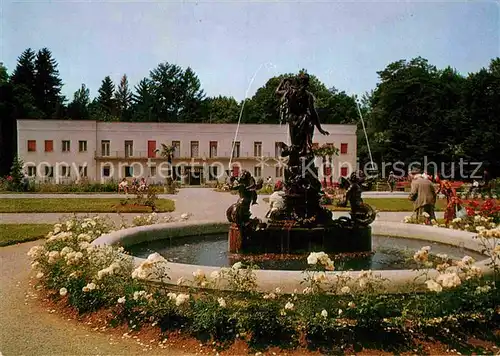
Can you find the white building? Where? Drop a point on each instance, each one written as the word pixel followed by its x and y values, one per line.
pixel 66 151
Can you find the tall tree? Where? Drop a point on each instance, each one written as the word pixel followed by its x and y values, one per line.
pixel 78 109
pixel 23 83
pixel 143 102
pixel 177 93
pixel 47 86
pixel 481 129
pixel 105 97
pixel 7 122
pixel 221 109
pixel 123 97
pixel 24 74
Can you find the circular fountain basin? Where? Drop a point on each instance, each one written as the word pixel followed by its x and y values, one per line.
pixel 207 250
pixel 389 253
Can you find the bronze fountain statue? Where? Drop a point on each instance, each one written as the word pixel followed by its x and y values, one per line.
pixel 302 221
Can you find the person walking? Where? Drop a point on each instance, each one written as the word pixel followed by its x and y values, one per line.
pixel 423 196
pixel 391 181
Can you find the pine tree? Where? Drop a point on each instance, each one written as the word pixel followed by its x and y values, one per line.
pixel 16 174
pixel 105 98
pixel 24 74
pixel 47 86
pixel 8 133
pixel 123 97
pixel 78 109
pixel 143 108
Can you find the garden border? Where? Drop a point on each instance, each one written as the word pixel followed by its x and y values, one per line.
pixel 395 281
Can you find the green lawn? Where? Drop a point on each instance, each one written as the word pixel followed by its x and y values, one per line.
pixel 79 205
pixel 387 204
pixel 11 234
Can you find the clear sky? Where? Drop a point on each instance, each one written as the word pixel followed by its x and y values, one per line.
pixel 343 43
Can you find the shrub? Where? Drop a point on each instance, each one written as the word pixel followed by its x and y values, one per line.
pixel 268 325
pixel 212 320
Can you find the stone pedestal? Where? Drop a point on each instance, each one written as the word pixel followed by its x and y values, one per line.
pixel 286 238
pixel 234 238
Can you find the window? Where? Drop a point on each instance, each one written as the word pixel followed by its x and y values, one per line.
pixel 105 148
pixel 213 173
pixel 65 171
pixel 343 148
pixel 279 172
pixel 106 171
pixel 82 146
pixel 213 149
pixel 277 149
pixel 194 148
pixel 129 172
pixel 49 171
pixel 152 171
pixel 32 171
pixel 257 149
pixel 31 145
pixel 49 146
pixel 236 149
pixel 82 170
pixel 129 148
pixel 177 149
pixel 257 171
pixel 66 146
pixel 343 172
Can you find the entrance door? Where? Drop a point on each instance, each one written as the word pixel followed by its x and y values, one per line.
pixel 151 149
pixel 194 175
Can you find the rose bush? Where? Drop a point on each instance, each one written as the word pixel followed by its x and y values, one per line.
pixel 334 310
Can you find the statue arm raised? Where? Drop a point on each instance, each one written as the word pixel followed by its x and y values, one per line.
pixel 283 86
pixel 314 116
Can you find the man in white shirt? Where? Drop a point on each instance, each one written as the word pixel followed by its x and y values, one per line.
pixel 276 200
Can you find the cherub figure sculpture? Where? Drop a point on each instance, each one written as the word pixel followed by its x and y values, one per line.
pixel 239 212
pixel 361 213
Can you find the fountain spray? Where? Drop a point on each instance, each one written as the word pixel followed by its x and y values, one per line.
pixel 268 65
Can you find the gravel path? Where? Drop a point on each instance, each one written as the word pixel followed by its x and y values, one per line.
pixel 28 329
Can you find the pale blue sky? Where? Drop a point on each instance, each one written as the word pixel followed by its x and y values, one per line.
pixel 343 43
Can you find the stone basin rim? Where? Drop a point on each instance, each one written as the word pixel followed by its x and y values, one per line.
pixel 289 281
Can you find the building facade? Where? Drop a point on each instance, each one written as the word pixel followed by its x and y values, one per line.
pixel 63 151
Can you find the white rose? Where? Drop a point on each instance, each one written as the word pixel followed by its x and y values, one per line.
pixel 433 286
pixel 237 265
pixel 289 306
pixel 324 313
pixel 221 302
pixel 345 290
pixel 312 259
pixel 63 291
pixel 121 300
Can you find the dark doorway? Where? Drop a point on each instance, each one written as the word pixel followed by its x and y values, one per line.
pixel 194 175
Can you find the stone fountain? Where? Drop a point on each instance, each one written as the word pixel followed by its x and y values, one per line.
pixel 302 224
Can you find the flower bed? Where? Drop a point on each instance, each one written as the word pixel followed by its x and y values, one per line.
pixel 347 316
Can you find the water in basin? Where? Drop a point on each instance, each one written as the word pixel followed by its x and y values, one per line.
pixel 389 253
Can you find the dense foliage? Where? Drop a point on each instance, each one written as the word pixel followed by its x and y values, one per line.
pixel 416 109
